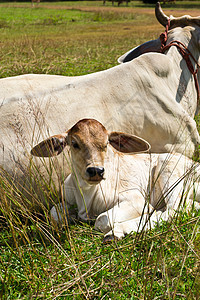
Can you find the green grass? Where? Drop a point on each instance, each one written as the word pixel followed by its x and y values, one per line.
pixel 30 17
pixel 38 261
pixel 67 42
pixel 158 264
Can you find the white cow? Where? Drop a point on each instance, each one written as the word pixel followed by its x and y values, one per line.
pixel 125 192
pixel 152 96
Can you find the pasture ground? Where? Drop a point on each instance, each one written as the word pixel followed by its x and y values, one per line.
pixel 39 262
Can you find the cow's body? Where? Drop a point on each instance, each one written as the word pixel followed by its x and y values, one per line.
pixel 145 198
pixel 153 96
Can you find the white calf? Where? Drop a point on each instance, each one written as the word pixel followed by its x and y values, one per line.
pixel 124 190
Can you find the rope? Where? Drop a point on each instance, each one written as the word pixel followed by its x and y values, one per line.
pixel 163 36
pixel 186 54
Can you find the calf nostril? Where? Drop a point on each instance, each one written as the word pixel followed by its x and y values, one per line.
pixel 100 171
pixel 93 171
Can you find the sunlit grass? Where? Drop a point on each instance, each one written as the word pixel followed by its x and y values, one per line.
pixel 68 42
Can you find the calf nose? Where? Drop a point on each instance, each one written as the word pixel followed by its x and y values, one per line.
pixel 93 171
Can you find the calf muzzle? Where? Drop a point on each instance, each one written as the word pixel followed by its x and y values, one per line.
pixel 95 173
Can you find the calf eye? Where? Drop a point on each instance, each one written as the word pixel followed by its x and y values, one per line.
pixel 101 147
pixel 75 145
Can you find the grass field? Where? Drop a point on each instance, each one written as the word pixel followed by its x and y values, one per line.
pixel 68 42
pixel 39 262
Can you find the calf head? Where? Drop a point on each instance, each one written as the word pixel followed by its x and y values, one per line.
pixel 88 140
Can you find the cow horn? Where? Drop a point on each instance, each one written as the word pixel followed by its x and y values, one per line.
pixel 161 17
pixel 184 20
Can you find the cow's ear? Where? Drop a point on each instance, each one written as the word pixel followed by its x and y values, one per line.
pixel 51 146
pixel 150 46
pixel 127 143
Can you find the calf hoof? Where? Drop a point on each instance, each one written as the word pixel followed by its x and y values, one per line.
pixel 109 239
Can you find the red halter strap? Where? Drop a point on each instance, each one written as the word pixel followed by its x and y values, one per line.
pixel 163 36
pixel 186 54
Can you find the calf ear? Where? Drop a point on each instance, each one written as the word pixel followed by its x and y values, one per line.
pixel 51 146
pixel 127 143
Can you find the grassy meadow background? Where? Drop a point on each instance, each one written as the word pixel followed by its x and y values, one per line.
pixel 38 261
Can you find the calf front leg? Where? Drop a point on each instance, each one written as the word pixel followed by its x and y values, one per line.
pixel 64 210
pixel 127 216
